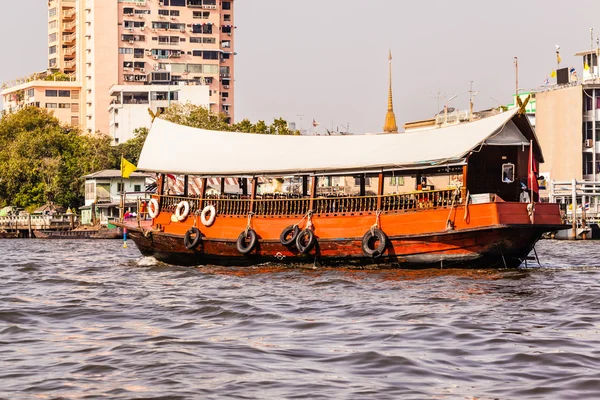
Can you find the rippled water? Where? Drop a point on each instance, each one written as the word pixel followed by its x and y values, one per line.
pixel 88 319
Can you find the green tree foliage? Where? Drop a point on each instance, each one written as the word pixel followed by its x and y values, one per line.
pixel 42 160
pixel 199 117
pixel 132 148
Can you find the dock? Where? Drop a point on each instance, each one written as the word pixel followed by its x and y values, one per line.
pixel 24 224
pixel 580 207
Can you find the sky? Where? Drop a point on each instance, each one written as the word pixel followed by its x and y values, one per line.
pixel 327 59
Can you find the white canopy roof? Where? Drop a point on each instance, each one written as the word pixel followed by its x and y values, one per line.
pixel 177 149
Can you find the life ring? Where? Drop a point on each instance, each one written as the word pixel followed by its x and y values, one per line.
pixel 244 246
pixel 186 210
pixel 307 236
pixel 153 208
pixel 368 242
pixel 294 231
pixel 211 219
pixel 190 243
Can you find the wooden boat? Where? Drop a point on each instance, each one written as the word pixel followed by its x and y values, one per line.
pixel 9 235
pixel 79 234
pixel 461 209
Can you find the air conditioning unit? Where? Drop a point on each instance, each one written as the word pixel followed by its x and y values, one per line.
pixel 140 16
pixel 225 86
pixel 131 41
pixel 588 143
pixel 161 16
pixel 155 57
pixel 172 18
pixel 142 69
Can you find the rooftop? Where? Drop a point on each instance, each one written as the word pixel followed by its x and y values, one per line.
pixel 115 173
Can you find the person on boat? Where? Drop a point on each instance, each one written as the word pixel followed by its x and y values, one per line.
pixel 524 196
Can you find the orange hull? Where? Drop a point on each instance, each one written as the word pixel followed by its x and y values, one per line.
pixel 493 234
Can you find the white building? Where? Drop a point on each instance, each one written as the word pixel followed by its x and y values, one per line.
pixel 129 108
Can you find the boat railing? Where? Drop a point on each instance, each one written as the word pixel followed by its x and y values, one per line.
pixel 271 205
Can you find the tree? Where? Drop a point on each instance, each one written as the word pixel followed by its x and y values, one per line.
pixel 199 117
pixel 42 160
pixel 132 148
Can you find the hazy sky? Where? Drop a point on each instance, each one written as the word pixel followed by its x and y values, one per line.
pixel 327 59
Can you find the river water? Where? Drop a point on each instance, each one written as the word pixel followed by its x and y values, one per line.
pixel 89 319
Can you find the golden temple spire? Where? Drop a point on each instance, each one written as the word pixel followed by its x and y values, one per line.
pixel 390 118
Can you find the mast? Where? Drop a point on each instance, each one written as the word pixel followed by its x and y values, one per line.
pixel 390 118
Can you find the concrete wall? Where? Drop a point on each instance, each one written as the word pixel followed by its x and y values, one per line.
pixel 559 129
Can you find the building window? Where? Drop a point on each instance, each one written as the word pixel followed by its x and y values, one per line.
pixel 125 50
pixel 52 12
pixel 142 11
pixel 75 94
pixel 30 92
pixel 64 93
pixel 52 50
pixel 397 181
pixel 75 120
pixel 52 63
pixel 50 105
pixel 75 107
pixel 588 164
pixel 52 25
pixel 227 17
pixel 137 188
pixel 226 5
pixel 64 105
pixel 120 187
pixel 52 37
pixel 51 93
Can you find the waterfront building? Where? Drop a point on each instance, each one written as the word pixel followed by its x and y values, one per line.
pixel 99 44
pixel 129 108
pixel 568 125
pixel 103 193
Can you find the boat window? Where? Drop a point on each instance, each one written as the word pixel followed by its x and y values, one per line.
pixel 508 173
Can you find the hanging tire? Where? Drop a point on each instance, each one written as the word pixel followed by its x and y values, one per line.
pixel 369 240
pixel 305 241
pixel 246 242
pixel 210 209
pixel 180 214
pixel 189 242
pixel 153 208
pixel 294 231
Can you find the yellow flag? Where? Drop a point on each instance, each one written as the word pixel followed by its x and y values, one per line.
pixel 553 74
pixel 126 168
pixel 558 58
pixel 586 66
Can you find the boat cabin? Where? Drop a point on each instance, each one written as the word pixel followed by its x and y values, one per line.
pixel 487 160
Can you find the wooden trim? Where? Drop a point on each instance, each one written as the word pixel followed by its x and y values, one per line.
pixel 313 193
pixel 186 181
pixel 161 185
pixel 380 186
pixel 203 192
pixel 253 194
pixel 304 185
pixel 363 182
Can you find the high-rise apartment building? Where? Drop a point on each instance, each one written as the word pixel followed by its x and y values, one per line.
pixel 164 44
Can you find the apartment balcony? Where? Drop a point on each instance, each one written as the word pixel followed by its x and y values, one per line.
pixel 69 13
pixel 69 38
pixel 69 26
pixel 70 64
pixel 70 51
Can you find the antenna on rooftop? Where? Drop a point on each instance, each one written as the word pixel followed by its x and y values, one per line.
pixel 472 95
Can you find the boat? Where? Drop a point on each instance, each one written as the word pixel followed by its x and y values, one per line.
pixel 8 235
pixel 459 208
pixel 79 234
